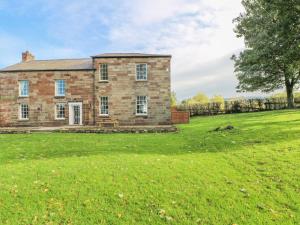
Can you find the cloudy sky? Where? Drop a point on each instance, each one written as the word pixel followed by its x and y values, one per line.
pixel 198 33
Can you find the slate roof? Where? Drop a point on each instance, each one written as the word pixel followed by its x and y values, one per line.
pixel 70 64
pixel 128 55
pixel 51 65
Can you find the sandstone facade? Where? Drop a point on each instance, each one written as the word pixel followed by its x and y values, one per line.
pixel 83 85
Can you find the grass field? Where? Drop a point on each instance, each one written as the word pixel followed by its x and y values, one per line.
pixel 250 175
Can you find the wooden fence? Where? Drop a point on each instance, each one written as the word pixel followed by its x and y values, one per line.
pixel 180 117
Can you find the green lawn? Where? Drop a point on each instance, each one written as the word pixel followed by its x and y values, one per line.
pixel 250 175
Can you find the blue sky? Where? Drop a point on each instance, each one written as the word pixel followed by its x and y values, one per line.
pixel 198 33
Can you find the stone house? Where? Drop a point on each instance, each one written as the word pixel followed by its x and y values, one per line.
pixel 124 89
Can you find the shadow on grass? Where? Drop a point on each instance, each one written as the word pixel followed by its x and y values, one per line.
pixel 15 148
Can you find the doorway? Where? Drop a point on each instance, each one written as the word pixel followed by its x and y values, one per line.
pixel 75 113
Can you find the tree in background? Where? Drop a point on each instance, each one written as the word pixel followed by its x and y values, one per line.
pixel 283 95
pixel 219 100
pixel 184 102
pixel 271 60
pixel 199 98
pixel 189 101
pixel 278 95
pixel 173 99
pixel 202 99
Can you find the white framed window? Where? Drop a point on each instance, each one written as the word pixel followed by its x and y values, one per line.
pixel 141 105
pixel 104 106
pixel 141 71
pixel 23 88
pixel 60 88
pixel 60 110
pixel 103 72
pixel 24 112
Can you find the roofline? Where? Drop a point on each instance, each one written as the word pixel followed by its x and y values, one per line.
pixel 61 59
pixel 135 56
pixel 47 70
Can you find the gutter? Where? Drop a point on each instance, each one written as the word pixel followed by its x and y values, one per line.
pixel 54 70
pixel 161 56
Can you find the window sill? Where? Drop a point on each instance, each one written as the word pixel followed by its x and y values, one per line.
pixel 59 119
pixel 24 96
pixel 104 115
pixel 60 96
pixel 141 80
pixel 103 81
pixel 141 115
pixel 22 120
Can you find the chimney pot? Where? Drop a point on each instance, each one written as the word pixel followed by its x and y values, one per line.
pixel 27 56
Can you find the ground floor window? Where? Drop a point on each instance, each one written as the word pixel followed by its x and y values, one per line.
pixel 24 112
pixel 60 111
pixel 104 105
pixel 141 105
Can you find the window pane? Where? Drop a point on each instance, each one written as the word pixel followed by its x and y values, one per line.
pixel 24 88
pixel 103 72
pixel 60 111
pixel 141 71
pixel 141 105
pixel 60 87
pixel 104 105
pixel 24 114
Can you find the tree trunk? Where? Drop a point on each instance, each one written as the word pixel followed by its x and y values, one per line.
pixel 290 96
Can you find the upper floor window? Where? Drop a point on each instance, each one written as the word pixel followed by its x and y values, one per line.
pixel 24 112
pixel 60 111
pixel 141 72
pixel 23 88
pixel 141 105
pixel 104 105
pixel 59 88
pixel 103 72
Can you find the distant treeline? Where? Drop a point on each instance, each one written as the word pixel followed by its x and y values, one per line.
pixel 235 106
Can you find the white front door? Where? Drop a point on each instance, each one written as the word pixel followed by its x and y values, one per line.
pixel 75 113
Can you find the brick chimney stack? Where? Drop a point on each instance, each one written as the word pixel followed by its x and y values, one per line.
pixel 27 56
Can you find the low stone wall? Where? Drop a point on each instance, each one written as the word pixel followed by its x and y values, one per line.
pixel 91 129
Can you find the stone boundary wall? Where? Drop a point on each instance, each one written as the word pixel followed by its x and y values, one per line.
pixel 123 129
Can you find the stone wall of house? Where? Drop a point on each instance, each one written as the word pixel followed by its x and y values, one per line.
pixel 122 89
pixel 42 100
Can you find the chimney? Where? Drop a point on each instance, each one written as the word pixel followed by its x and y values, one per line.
pixel 27 56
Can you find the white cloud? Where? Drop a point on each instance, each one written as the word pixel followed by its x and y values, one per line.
pixel 215 77
pixel 198 33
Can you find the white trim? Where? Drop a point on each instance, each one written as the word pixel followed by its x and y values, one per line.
pixel 23 119
pixel 136 72
pixel 55 111
pixel 60 118
pixel 71 112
